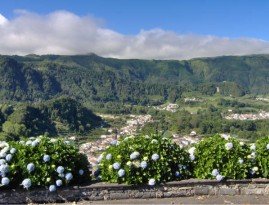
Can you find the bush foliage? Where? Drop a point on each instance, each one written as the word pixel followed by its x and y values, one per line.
pixel 42 161
pixel 145 159
pixel 262 159
pixel 225 158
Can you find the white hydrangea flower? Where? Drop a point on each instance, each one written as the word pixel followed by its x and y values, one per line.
pixel 121 172
pixel 3 144
pixel 155 157
pixel 215 172
pixel 29 142
pixel 255 169
pixel 129 163
pixel 27 183
pixel 228 145
pixel 253 146
pixel 146 136
pixel 253 154
pixel 267 146
pixel 191 150
pixel 242 143
pixel 116 165
pixel 99 159
pixel 136 163
pixel 154 141
pixel 152 182
pixel 241 161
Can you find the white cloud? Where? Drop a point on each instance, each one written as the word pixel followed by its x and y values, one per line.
pixel 62 32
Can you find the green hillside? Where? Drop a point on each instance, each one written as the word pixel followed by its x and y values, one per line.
pixel 90 78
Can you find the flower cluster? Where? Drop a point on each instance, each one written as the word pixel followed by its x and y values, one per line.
pixel 41 162
pixel 217 157
pixel 144 159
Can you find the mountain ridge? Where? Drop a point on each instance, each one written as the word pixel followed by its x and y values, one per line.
pixel 97 79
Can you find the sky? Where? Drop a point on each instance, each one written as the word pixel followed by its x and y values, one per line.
pixel 147 29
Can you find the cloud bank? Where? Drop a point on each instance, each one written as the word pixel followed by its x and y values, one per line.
pixel 62 32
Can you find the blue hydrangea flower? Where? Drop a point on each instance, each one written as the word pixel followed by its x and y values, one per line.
pixel 9 157
pixel 26 183
pixel 2 161
pixel 5 181
pixel 134 155
pixel 116 165
pixel 114 142
pixel 46 158
pixel 69 176
pixel 81 172
pixel 35 143
pixel 30 167
pixel 13 151
pixel 152 182
pixel 4 168
pixel 121 172
pixel 108 156
pixel 192 157
pixel 177 174
pixel 215 172
pixel 155 157
pixel 60 169
pixel 143 164
pixel 219 177
pixel 228 145
pixel 52 188
pixel 59 182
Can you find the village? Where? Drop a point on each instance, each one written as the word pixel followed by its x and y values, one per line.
pixel 262 115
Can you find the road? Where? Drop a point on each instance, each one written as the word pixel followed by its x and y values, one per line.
pixel 240 199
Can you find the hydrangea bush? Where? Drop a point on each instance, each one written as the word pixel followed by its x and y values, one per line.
pixel 144 160
pixel 41 162
pixel 262 156
pixel 219 158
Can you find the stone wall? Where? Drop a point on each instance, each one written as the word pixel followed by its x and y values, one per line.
pixel 104 191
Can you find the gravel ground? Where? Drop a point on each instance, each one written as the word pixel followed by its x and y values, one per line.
pixel 240 199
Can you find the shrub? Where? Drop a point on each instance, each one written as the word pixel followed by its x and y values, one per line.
pixel 219 158
pixel 262 156
pixel 144 159
pixel 42 162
